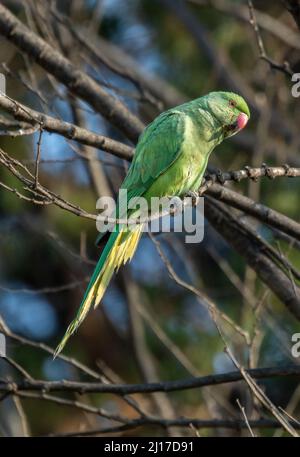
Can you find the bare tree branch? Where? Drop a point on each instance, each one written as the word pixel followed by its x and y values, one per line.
pixel 75 80
pixel 124 389
pixel 254 251
pixel 70 131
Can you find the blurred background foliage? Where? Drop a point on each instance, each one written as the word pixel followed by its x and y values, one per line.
pixel 45 247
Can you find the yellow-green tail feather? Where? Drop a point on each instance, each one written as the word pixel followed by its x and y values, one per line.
pixel 119 249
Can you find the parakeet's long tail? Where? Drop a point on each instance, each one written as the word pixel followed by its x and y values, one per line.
pixel 119 249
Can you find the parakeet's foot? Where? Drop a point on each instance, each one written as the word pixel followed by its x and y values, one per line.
pixel 194 196
pixel 177 205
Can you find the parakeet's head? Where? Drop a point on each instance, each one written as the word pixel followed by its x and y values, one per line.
pixel 230 110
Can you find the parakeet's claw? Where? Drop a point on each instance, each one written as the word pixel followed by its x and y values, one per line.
pixel 177 205
pixel 194 196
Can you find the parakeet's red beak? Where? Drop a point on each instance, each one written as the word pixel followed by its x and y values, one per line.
pixel 242 120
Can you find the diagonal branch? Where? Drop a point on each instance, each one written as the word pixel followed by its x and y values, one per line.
pixel 255 253
pixel 261 212
pixel 70 131
pixel 78 82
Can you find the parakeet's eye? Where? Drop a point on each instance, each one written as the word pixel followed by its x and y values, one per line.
pixel 232 103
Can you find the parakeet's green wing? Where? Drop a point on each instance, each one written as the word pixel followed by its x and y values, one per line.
pixel 157 149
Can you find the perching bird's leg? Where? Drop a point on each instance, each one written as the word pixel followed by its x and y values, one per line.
pixel 177 205
pixel 194 196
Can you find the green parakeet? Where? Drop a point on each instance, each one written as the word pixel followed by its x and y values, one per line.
pixel 170 160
